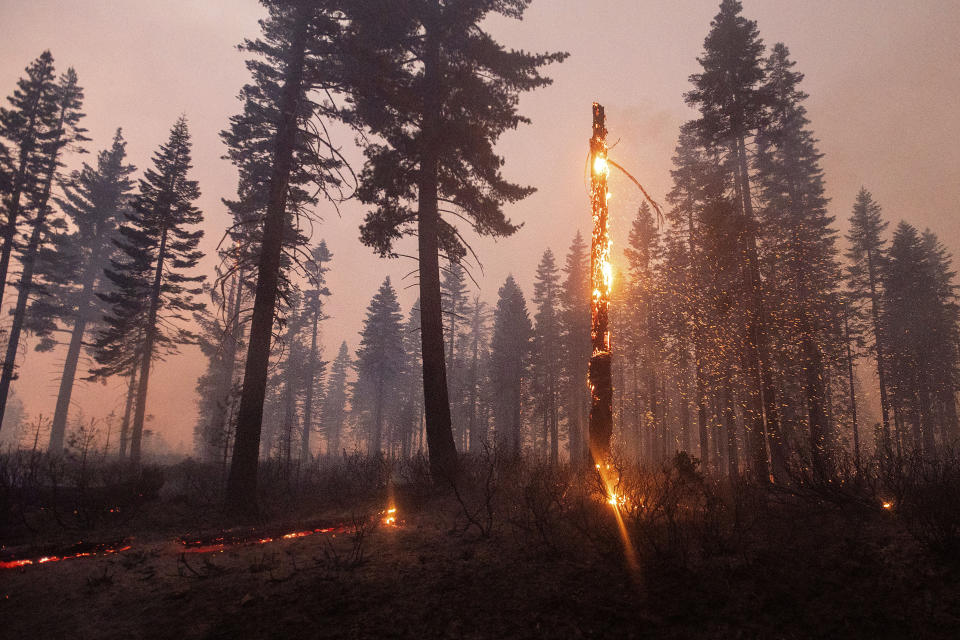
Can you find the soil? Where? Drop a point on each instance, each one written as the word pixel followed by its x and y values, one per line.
pixel 427 578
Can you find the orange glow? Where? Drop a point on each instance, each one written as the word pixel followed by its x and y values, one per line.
pixel 23 562
pixel 887 505
pixel 600 166
pixel 390 519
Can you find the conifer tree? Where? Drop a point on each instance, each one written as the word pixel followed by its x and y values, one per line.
pixel 335 400
pixel 313 309
pixel 509 365
pixel 920 321
pixel 31 117
pixel 276 145
pixel 220 338
pixel 547 355
pixel 799 244
pixel 575 313
pixel 379 364
pixel 455 304
pixel 729 95
pixel 70 270
pixel 410 424
pixel 643 252
pixel 867 258
pixel 437 93
pixel 64 134
pixel 477 379
pixel 152 287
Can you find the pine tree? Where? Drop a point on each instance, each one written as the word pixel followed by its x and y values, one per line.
pixel 576 321
pixel 643 252
pixel 313 308
pixel 799 243
pixel 153 290
pixel 335 400
pixel 410 423
pixel 32 115
pixel 731 101
pixel 455 304
pixel 438 92
pixel 379 364
pixel 64 134
pixel 70 270
pixel 220 338
pixel 477 378
pixel 699 185
pixel 867 257
pixel 920 321
pixel 279 152
pixel 547 355
pixel 509 364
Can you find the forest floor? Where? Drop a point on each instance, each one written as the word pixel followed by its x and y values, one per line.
pixel 794 569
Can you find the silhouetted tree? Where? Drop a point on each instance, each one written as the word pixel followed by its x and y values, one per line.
pixel 152 289
pixel 70 269
pixel 867 258
pixel 64 134
pixel 276 144
pixel 379 364
pixel 335 400
pixel 437 92
pixel 31 117
pixel 547 360
pixel 509 365
pixel 575 314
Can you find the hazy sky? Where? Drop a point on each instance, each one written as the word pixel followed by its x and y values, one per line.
pixel 883 78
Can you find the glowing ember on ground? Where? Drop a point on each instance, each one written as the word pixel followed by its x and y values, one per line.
pixel 23 562
pixel 887 505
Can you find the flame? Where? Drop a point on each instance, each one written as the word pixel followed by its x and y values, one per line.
pixel 600 165
pixel 887 505
pixel 390 519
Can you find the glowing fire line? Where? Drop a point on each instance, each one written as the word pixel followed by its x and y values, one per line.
pixel 208 545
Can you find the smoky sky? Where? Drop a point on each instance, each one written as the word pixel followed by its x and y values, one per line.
pixel 883 78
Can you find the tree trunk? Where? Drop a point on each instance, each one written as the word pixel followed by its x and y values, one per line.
pixel 878 342
pixel 765 413
pixel 853 395
pixel 242 483
pixel 440 444
pixel 67 378
pixel 311 381
pixel 219 429
pixel 146 355
pixel 127 410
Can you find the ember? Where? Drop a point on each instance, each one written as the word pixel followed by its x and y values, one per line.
pixel 79 550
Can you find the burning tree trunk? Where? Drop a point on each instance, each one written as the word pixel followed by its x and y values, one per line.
pixel 601 388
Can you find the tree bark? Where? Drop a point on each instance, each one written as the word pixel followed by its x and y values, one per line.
pixel 242 483
pixel 440 444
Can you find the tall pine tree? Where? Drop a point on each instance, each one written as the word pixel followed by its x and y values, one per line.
pixel 437 93
pixel 509 365
pixel 379 364
pixel 64 133
pixel 71 270
pixel 31 115
pixel 153 289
